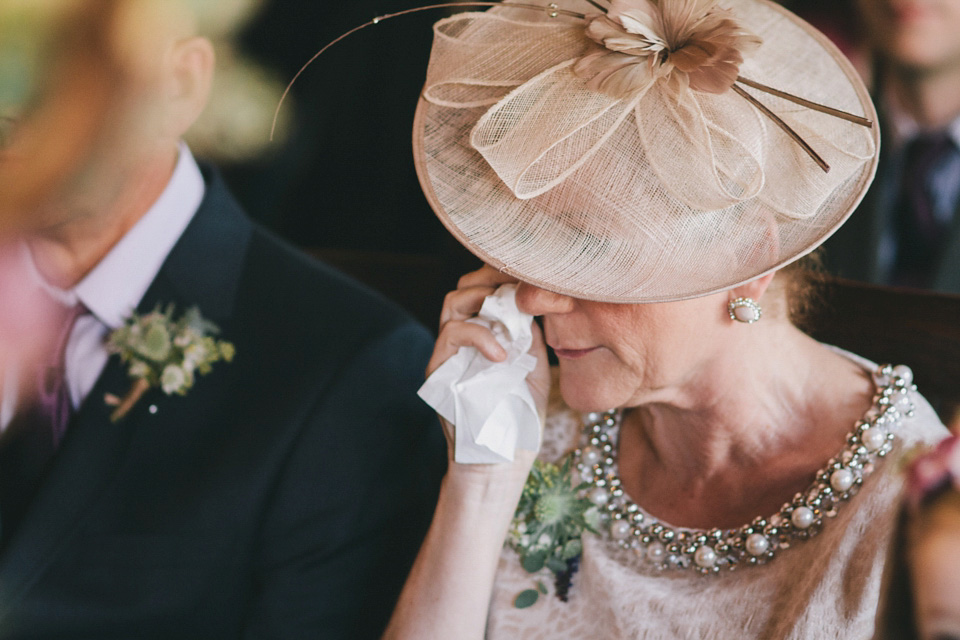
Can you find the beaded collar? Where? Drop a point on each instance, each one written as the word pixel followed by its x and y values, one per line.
pixel 710 551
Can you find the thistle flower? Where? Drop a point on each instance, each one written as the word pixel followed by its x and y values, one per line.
pixel 549 521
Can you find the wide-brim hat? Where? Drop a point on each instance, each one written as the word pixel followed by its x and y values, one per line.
pixel 656 152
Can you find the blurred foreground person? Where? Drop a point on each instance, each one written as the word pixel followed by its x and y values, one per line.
pixel 907 230
pixel 58 77
pixel 222 439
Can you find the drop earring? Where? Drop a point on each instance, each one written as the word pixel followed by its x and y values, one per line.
pixel 745 310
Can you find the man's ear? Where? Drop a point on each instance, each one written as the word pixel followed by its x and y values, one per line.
pixel 189 77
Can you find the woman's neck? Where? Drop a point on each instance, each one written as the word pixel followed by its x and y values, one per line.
pixel 745 433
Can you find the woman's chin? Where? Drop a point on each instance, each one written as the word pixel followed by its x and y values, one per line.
pixel 583 392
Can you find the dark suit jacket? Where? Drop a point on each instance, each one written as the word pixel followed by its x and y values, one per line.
pixel 854 250
pixel 283 497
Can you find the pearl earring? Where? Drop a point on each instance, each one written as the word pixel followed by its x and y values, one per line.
pixel 745 310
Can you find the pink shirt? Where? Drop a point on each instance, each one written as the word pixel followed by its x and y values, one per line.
pixel 114 288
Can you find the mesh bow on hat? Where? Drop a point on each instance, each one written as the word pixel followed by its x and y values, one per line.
pixel 654 151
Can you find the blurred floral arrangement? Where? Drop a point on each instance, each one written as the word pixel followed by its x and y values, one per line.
pixel 236 123
pixel 61 61
pixel 24 33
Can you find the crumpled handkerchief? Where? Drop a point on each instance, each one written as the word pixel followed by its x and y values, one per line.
pixel 489 403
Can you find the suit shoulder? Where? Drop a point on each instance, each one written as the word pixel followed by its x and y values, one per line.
pixel 288 287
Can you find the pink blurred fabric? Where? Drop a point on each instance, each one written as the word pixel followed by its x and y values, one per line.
pixel 27 316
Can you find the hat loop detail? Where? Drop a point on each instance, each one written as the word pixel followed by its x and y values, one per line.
pixel 547 117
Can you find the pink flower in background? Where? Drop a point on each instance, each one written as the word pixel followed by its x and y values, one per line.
pixel 933 471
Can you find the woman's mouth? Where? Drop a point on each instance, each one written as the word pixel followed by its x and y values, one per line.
pixel 573 354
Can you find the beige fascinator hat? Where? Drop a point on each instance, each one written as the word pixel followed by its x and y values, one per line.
pixel 641 151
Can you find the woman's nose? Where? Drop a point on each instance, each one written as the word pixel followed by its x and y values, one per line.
pixel 540 302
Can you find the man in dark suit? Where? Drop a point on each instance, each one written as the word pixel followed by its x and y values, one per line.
pixel 285 494
pixel 907 229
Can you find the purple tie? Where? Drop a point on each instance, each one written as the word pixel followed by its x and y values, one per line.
pixel 30 441
pixel 53 393
pixel 919 235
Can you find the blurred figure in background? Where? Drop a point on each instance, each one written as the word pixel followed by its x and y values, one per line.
pixel 342 182
pixel 220 438
pixel 346 179
pixel 907 230
pixel 921 598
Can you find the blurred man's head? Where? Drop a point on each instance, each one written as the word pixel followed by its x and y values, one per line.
pixel 128 78
pixel 922 36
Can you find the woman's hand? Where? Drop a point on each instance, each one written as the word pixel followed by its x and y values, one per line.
pixel 464 303
pixel 448 591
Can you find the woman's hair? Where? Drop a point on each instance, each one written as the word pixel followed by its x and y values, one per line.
pixel 797 290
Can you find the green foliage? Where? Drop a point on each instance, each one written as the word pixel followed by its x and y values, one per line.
pixel 533 562
pixel 26 33
pixel 526 598
pixel 549 521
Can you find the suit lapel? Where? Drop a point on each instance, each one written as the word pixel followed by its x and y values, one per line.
pixel 203 270
pixel 880 200
pixel 853 251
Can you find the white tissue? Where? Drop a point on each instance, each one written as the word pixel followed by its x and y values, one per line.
pixel 489 403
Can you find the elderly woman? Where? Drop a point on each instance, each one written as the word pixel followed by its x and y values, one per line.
pixel 638 178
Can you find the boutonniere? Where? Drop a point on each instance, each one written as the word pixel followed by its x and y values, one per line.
pixel 164 352
pixel 547 527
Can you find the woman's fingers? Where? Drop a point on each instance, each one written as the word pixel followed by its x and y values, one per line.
pixel 461 304
pixel 458 333
pixel 485 276
pixel 465 301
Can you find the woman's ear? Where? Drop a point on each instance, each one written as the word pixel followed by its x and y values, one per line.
pixel 753 289
pixel 189 78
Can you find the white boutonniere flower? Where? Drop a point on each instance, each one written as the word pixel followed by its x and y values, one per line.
pixel 164 352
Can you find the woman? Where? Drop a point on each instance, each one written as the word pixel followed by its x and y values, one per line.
pixel 614 167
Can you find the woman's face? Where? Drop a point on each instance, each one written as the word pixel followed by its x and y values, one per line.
pixel 621 355
pixel 933 548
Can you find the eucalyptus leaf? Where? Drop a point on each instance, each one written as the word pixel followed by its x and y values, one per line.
pixel 556 565
pixel 533 562
pixel 526 599
pixel 572 549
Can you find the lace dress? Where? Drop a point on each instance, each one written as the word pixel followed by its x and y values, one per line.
pixel 824 587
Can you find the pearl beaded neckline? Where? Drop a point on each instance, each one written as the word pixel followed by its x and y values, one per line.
pixel 710 551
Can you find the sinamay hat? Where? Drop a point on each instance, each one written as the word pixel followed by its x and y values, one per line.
pixel 612 156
